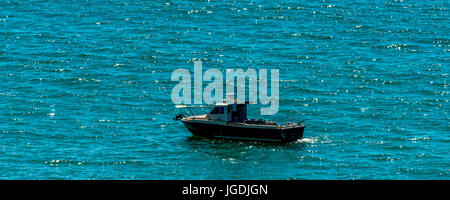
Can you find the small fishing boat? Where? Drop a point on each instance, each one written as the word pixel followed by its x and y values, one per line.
pixel 229 121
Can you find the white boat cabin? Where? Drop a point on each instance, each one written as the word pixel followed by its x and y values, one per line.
pixel 228 112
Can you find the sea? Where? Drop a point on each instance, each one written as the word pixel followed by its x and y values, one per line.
pixel 85 88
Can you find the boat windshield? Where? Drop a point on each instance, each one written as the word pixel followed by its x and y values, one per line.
pixel 217 110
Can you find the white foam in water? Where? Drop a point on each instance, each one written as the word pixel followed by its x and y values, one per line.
pixel 306 140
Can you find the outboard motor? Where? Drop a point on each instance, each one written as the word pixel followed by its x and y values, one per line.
pixel 178 117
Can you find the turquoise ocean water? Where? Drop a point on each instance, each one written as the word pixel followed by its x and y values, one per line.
pixel 85 88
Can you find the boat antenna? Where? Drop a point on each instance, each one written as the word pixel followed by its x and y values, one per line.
pixel 229 98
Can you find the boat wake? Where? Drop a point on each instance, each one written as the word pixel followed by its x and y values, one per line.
pixel 306 140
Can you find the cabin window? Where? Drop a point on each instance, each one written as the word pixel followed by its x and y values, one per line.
pixel 218 110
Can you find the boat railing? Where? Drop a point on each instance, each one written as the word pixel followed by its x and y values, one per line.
pixel 294 123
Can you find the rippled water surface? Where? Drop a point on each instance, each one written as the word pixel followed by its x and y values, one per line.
pixel 85 88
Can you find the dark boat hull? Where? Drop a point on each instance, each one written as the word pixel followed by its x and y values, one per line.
pixel 239 132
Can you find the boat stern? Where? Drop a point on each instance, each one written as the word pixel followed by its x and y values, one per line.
pixel 292 133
